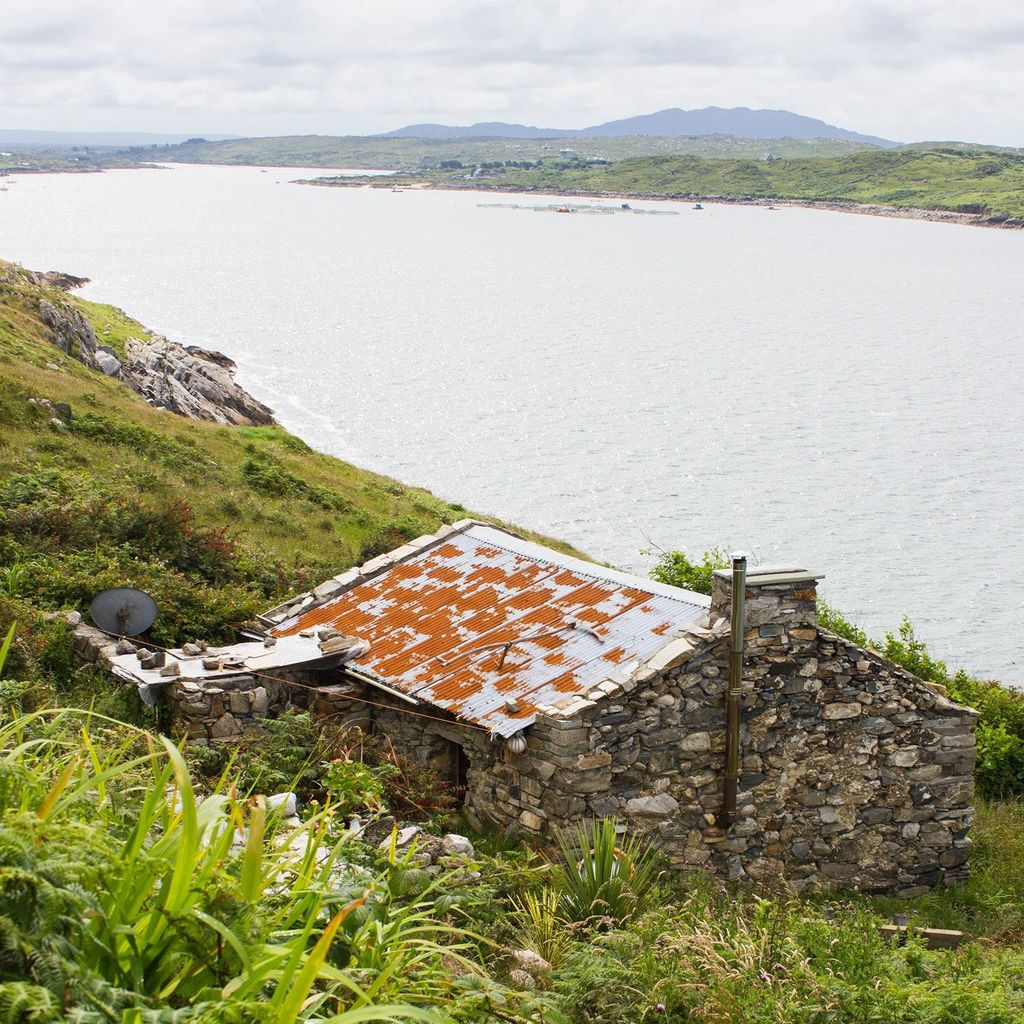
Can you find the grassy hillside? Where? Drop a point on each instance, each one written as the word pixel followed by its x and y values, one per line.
pixel 62 158
pixel 217 522
pixel 124 898
pixel 966 180
pixel 413 154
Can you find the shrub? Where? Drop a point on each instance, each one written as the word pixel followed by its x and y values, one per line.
pixel 677 569
pixel 175 454
pixel 354 786
pixel 836 622
pixel 541 926
pixel 286 755
pixel 266 474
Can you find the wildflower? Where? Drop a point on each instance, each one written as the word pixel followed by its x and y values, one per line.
pixel 660 1008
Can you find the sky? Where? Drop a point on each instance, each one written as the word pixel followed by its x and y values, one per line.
pixel 907 70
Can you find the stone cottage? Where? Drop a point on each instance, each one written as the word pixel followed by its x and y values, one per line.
pixel 551 689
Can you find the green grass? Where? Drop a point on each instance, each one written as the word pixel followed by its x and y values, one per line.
pixel 415 154
pixel 968 179
pixel 112 325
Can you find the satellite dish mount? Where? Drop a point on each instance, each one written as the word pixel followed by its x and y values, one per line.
pixel 123 611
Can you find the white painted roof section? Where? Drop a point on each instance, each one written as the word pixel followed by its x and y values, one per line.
pixel 248 657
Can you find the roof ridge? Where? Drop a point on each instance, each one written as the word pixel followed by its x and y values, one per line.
pixel 611 574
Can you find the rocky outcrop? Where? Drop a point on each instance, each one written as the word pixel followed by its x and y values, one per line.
pixel 190 381
pixel 58 279
pixel 70 332
pixel 187 380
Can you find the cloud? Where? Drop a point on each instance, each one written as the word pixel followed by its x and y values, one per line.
pixel 907 69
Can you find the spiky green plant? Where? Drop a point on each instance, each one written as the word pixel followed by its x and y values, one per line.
pixel 604 876
pixel 541 924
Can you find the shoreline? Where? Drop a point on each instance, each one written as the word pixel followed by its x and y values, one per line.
pixel 979 220
pixel 385 179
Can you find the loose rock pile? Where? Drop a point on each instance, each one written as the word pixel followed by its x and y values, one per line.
pixel 436 854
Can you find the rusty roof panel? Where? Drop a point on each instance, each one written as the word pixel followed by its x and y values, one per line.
pixel 432 618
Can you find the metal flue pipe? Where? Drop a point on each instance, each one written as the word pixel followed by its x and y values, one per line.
pixel 732 719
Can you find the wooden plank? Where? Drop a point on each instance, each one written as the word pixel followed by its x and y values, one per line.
pixel 934 938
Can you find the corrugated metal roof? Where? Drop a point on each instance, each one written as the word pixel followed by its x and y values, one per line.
pixel 431 617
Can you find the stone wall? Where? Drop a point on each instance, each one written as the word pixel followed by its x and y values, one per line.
pixel 855 774
pixel 429 740
pixel 227 707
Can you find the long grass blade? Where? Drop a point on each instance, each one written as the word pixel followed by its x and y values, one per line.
pixel 5 647
pixel 298 990
pixel 252 859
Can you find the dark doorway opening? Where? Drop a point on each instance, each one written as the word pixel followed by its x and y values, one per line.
pixel 458 771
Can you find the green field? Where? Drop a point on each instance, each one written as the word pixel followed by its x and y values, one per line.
pixel 953 180
pixel 425 154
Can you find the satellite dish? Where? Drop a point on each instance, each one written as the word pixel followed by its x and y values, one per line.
pixel 123 611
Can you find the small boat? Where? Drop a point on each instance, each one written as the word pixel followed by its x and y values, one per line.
pixel 564 209
pixel 697 206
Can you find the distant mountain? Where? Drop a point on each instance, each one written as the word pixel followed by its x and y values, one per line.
pixel 480 130
pixel 741 122
pixel 24 137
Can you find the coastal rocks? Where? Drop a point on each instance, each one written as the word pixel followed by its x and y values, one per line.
pixel 107 362
pixel 58 279
pixel 70 332
pixel 187 380
pixel 191 382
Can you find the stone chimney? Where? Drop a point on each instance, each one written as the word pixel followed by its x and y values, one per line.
pixel 775 595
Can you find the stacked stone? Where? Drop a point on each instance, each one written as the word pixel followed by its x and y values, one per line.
pixel 854 773
pixel 207 711
pixel 91 646
pixel 222 709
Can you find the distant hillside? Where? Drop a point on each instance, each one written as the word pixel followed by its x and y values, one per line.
pixel 480 130
pixel 986 183
pixel 741 122
pixel 47 140
pixel 408 154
